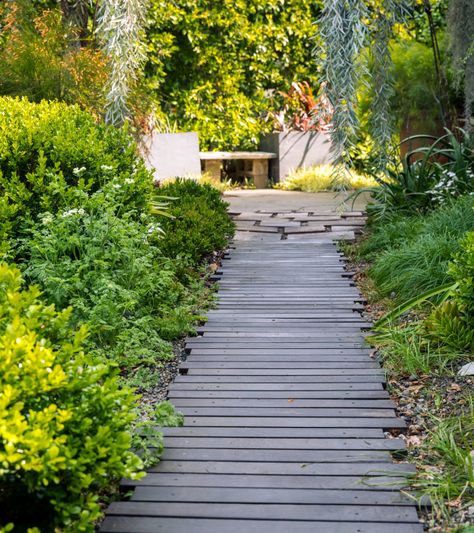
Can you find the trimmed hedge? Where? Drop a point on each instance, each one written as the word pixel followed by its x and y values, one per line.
pixel 199 225
pixel 53 156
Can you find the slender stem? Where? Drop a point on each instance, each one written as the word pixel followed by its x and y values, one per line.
pixel 437 62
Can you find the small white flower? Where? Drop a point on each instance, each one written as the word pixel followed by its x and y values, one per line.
pixel 79 171
pixel 46 218
pixel 106 168
pixel 72 212
pixel 154 228
pixel 129 181
pixel 116 186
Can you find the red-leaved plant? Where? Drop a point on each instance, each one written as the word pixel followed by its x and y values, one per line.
pixel 302 111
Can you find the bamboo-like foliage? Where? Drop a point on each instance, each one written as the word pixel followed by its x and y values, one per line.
pixel 120 28
pixel 461 22
pixel 347 28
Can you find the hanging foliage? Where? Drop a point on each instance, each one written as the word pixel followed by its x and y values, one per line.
pixel 347 29
pixel 343 34
pixel 120 28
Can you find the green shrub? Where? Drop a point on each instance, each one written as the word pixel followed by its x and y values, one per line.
pixel 200 223
pixel 63 421
pixel 321 178
pixel 111 271
pixel 452 322
pixel 52 156
pixel 451 326
pixel 462 271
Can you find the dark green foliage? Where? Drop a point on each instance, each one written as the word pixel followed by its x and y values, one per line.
pixel 385 235
pixel 200 225
pixel 53 156
pixel 212 63
pixel 76 209
pixel 412 254
pixel 115 277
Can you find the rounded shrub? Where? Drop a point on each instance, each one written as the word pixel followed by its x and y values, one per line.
pixel 199 223
pixel 63 420
pixel 53 155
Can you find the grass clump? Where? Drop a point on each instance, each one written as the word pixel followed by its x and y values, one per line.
pixel 412 254
pixel 410 349
pixel 446 472
pixel 322 178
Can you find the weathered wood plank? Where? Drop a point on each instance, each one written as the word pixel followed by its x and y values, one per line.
pixel 263 495
pixel 360 483
pixel 284 444
pixel 178 393
pixel 131 524
pixel 288 387
pixel 316 422
pixel 290 433
pixel 296 456
pixel 318 513
pixel 293 412
pixel 291 403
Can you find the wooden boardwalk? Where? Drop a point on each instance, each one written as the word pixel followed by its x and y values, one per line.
pixel 285 411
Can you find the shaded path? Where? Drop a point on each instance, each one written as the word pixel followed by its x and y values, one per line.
pixel 285 409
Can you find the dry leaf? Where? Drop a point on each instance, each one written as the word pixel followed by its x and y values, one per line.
pixel 413 440
pixel 455 503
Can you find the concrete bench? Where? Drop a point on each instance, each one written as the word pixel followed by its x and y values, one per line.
pixel 255 164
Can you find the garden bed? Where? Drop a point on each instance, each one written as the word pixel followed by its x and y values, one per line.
pixel 438 409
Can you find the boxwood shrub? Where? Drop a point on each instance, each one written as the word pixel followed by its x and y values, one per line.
pixel 63 420
pixel 200 223
pixel 53 155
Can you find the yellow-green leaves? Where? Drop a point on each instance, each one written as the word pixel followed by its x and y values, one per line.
pixel 63 421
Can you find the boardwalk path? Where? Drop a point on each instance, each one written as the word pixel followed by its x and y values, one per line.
pixel 285 409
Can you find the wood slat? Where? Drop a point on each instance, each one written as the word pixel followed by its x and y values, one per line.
pixel 275 496
pixel 285 409
pixel 132 524
pixel 317 513
pixel 360 483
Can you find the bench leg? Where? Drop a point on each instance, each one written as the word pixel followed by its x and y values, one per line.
pixel 260 173
pixel 213 168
